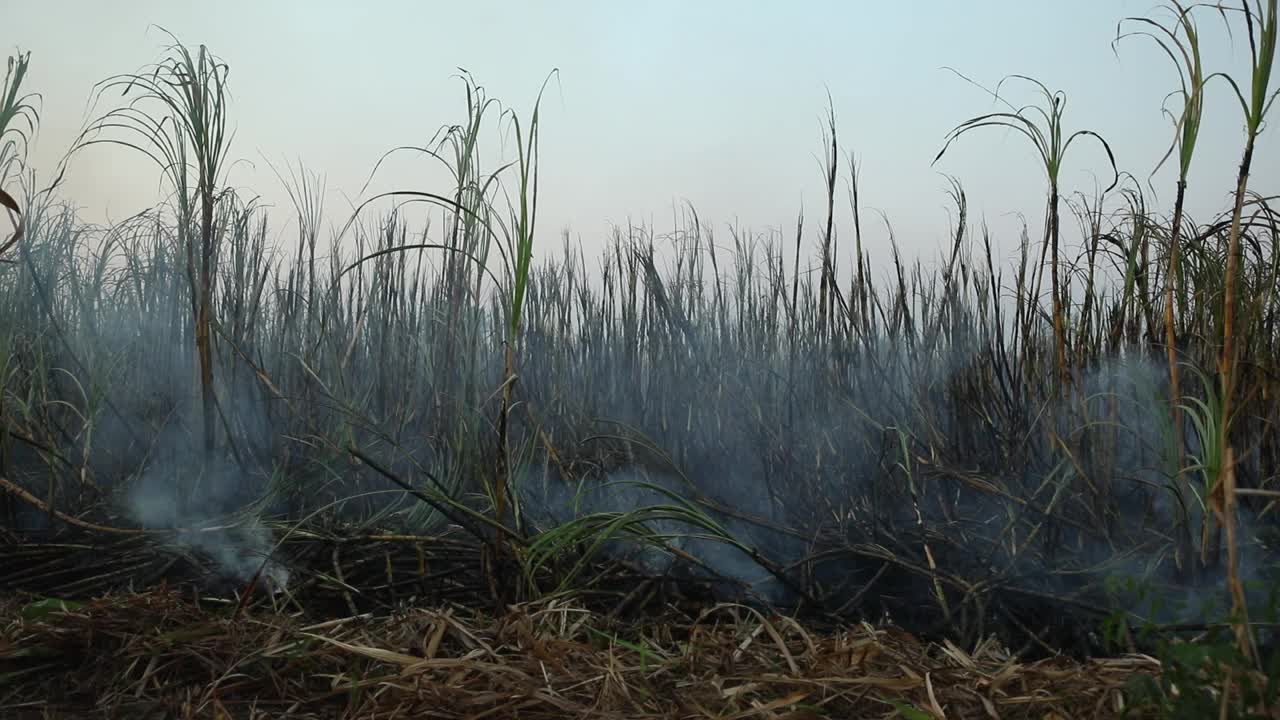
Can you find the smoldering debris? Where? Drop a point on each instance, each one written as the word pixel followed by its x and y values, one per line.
pixel 202 503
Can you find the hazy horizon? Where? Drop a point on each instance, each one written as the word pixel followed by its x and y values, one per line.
pixel 655 104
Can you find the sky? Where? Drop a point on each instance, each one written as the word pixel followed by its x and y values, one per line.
pixel 716 103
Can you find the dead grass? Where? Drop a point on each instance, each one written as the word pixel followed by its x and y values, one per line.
pixel 158 654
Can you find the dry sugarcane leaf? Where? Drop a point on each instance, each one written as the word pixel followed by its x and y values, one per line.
pixel 7 200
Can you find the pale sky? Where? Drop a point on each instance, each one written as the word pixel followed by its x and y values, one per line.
pixel 715 103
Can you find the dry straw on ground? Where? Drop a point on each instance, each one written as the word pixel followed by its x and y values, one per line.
pixel 158 654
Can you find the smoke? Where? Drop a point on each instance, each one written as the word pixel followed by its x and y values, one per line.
pixel 677 548
pixel 152 451
pixel 169 494
pixel 1127 404
pixel 846 464
pixel 924 428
